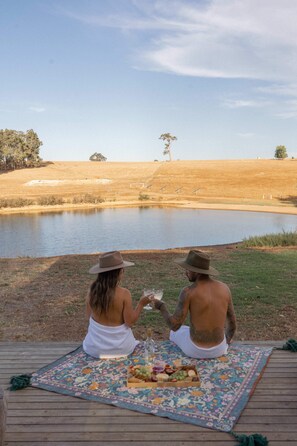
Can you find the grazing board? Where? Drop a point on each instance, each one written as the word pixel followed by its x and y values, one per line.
pixel 166 376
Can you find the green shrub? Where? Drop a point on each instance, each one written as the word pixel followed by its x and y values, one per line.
pixel 87 198
pixel 281 239
pixel 143 197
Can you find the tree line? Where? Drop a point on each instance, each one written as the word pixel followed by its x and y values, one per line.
pixel 19 149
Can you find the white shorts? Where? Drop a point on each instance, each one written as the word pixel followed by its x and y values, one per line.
pixel 183 340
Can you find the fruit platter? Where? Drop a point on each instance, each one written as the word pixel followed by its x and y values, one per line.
pixel 162 376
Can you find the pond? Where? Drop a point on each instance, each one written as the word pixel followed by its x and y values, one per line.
pixel 99 230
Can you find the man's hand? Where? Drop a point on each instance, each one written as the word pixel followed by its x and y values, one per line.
pixel 157 304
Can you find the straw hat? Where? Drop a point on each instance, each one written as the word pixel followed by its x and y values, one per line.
pixel 198 262
pixel 108 262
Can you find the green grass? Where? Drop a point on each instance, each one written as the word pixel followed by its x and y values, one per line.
pixel 281 239
pixel 262 282
pixel 263 285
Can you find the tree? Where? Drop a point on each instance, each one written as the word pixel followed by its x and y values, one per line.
pixel 19 149
pixel 31 148
pixel 97 157
pixel 280 152
pixel 168 138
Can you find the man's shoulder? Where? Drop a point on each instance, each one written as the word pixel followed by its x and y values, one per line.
pixel 185 291
pixel 221 286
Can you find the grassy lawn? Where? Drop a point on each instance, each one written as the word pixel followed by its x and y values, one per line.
pixel 43 299
pixel 263 286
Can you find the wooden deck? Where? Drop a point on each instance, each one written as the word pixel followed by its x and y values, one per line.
pixel 37 417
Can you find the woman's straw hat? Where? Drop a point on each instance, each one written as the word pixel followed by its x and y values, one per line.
pixel 198 262
pixel 108 262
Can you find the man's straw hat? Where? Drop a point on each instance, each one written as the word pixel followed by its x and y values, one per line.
pixel 197 262
pixel 108 262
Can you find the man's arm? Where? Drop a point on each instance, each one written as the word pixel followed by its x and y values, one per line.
pixel 175 320
pixel 230 322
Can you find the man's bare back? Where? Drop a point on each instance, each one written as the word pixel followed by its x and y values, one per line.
pixel 208 301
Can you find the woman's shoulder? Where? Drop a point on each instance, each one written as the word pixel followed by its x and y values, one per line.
pixel 123 291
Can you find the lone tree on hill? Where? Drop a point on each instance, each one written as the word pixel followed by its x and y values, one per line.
pixel 280 152
pixel 168 138
pixel 97 157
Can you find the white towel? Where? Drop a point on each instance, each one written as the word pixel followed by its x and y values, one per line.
pixel 182 338
pixel 103 341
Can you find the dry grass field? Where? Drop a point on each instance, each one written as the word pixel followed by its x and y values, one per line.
pixel 225 183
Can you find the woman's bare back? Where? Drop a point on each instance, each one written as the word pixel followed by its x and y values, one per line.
pixel 114 316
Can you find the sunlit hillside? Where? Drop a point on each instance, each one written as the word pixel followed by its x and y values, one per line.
pixel 231 181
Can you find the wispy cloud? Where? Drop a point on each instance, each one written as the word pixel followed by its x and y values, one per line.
pixel 280 89
pixel 289 110
pixel 239 103
pixel 214 38
pixel 37 109
pixel 245 135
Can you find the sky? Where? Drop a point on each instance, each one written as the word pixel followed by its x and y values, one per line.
pixel 111 76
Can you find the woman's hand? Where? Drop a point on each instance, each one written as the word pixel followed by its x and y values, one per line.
pixel 145 300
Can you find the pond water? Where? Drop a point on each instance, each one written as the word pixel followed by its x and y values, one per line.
pixel 85 232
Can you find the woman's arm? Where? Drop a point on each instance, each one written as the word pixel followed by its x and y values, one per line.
pixel 130 314
pixel 175 320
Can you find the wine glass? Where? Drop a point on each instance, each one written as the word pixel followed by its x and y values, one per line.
pixel 147 292
pixel 158 294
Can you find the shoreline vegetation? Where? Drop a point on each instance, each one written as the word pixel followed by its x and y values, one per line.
pixel 247 185
pixel 35 208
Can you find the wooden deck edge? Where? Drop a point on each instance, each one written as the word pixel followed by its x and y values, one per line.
pixel 3 414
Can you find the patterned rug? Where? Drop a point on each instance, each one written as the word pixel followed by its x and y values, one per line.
pixel 226 384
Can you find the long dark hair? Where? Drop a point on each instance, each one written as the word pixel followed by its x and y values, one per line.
pixel 103 289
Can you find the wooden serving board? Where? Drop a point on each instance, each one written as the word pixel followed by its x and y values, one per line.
pixel 153 384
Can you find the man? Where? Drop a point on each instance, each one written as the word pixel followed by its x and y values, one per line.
pixel 209 303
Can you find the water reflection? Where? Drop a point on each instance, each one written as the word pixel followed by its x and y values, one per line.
pixel 89 231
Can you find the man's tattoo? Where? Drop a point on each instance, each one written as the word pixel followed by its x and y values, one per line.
pixel 214 336
pixel 175 321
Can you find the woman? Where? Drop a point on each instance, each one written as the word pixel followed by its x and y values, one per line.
pixel 110 310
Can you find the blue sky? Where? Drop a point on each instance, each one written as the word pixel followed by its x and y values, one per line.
pixel 112 75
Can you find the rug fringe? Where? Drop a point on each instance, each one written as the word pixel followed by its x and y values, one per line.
pixel 19 382
pixel 250 440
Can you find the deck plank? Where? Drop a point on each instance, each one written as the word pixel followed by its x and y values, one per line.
pixel 37 417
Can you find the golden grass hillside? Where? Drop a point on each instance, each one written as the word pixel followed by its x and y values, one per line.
pixel 251 182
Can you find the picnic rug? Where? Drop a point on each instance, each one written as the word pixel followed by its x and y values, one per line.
pixel 226 383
